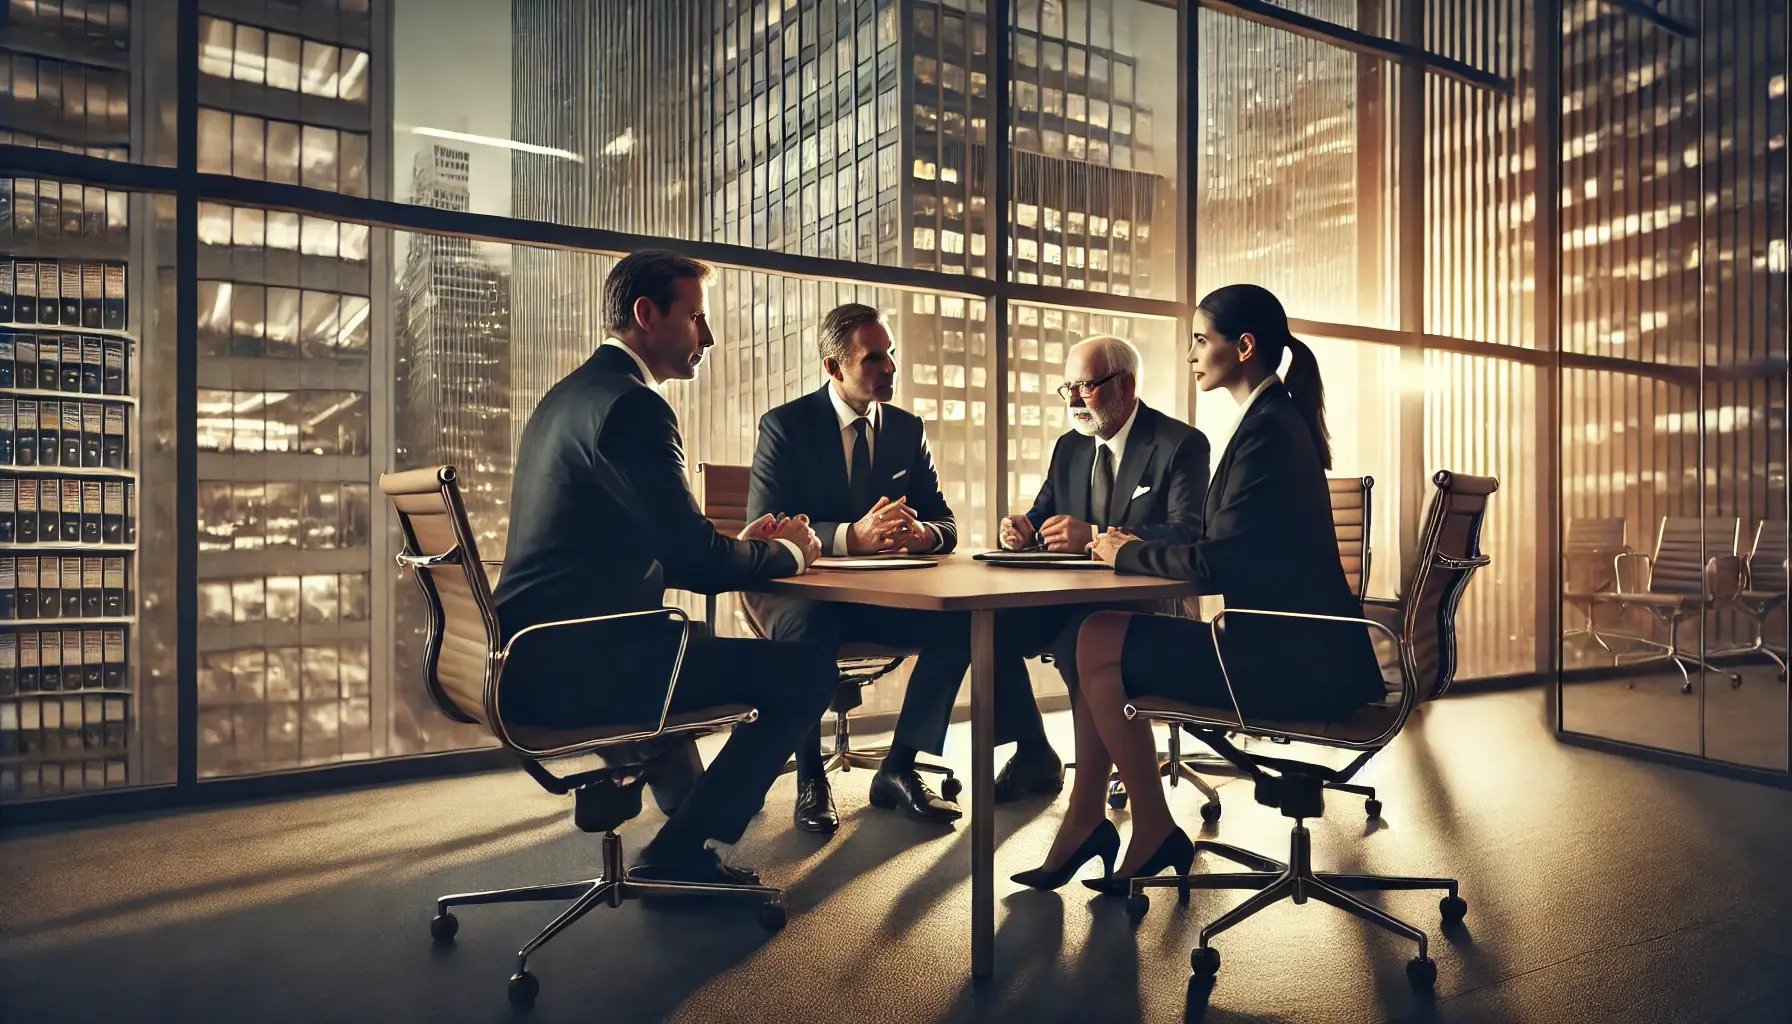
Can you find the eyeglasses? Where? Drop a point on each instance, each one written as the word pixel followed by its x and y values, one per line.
pixel 1085 388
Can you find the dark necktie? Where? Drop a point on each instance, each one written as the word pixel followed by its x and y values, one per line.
pixel 1102 489
pixel 858 484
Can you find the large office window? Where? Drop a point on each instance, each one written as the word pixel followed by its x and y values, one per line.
pixel 823 151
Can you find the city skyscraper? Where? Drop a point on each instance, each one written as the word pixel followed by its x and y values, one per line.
pixel 287 346
pixel 452 404
pixel 850 130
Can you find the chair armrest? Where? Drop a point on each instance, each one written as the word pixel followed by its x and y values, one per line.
pixel 1408 690
pixel 1725 577
pixel 1624 558
pixel 525 635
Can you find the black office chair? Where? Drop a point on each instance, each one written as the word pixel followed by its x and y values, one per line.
pixel 464 673
pixel 1449 554
pixel 722 495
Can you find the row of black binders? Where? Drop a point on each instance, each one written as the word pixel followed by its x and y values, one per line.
pixel 56 660
pixel 63 587
pixel 89 294
pixel 78 364
pixel 67 510
pixel 56 433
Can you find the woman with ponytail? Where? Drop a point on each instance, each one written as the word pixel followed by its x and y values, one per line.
pixel 1267 542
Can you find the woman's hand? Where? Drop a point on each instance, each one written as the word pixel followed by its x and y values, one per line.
pixel 1108 544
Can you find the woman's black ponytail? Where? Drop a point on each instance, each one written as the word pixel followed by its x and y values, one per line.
pixel 1308 392
pixel 1239 309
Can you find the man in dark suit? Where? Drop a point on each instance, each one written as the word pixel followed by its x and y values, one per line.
pixel 860 469
pixel 602 521
pixel 1122 464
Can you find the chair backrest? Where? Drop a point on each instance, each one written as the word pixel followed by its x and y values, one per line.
pixel 1684 545
pixel 1767 560
pixel 1350 518
pixel 1587 550
pixel 464 638
pixel 722 495
pixel 1449 553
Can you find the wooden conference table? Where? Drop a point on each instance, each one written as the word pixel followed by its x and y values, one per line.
pixel 960 584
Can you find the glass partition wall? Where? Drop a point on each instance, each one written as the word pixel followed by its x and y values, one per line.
pixel 351 236
pixel 1673 382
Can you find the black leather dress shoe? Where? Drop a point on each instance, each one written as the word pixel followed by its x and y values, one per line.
pixel 815 807
pixel 906 792
pixel 704 867
pixel 1033 773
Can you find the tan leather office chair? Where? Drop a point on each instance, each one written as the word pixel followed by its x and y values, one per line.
pixel 722 495
pixel 1449 554
pixel 1764 591
pixel 1588 548
pixel 1351 519
pixel 464 673
pixel 1694 570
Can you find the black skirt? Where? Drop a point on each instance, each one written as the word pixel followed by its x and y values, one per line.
pixel 1310 672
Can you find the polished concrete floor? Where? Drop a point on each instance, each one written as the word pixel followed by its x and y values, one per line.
pixel 1601 889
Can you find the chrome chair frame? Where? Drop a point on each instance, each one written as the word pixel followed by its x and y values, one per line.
pixel 1759 602
pixel 604 797
pixel 1722 583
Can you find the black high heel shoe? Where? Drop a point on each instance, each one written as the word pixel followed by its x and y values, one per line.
pixel 1175 852
pixel 1104 842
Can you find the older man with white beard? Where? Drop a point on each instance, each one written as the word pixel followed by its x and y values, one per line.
pixel 1122 464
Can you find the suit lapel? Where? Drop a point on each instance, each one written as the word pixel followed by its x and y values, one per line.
pixel 1082 472
pixel 1141 452
pixel 1216 488
pixel 829 456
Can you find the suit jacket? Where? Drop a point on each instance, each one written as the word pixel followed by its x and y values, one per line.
pixel 1267 542
pixel 799 468
pixel 1158 492
pixel 601 518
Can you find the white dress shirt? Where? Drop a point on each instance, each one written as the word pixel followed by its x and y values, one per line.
pixel 646 374
pixel 847 417
pixel 1244 409
pixel 1115 445
pixel 802 564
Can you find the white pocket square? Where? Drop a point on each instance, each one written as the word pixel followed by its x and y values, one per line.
pixel 1141 490
pixel 899 474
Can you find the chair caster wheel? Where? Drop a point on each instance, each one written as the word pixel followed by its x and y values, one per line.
pixel 1205 960
pixel 443 926
pixel 1373 807
pixel 1453 908
pixel 1210 811
pixel 772 916
pixel 951 787
pixel 523 989
pixel 1735 680
pixel 1137 906
pixel 1422 972
pixel 1686 687
pixel 1117 797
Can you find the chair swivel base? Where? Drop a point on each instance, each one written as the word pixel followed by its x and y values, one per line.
pixel 1175 769
pixel 1296 880
pixel 611 889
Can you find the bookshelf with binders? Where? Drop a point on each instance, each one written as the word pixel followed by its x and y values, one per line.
pixel 68 412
